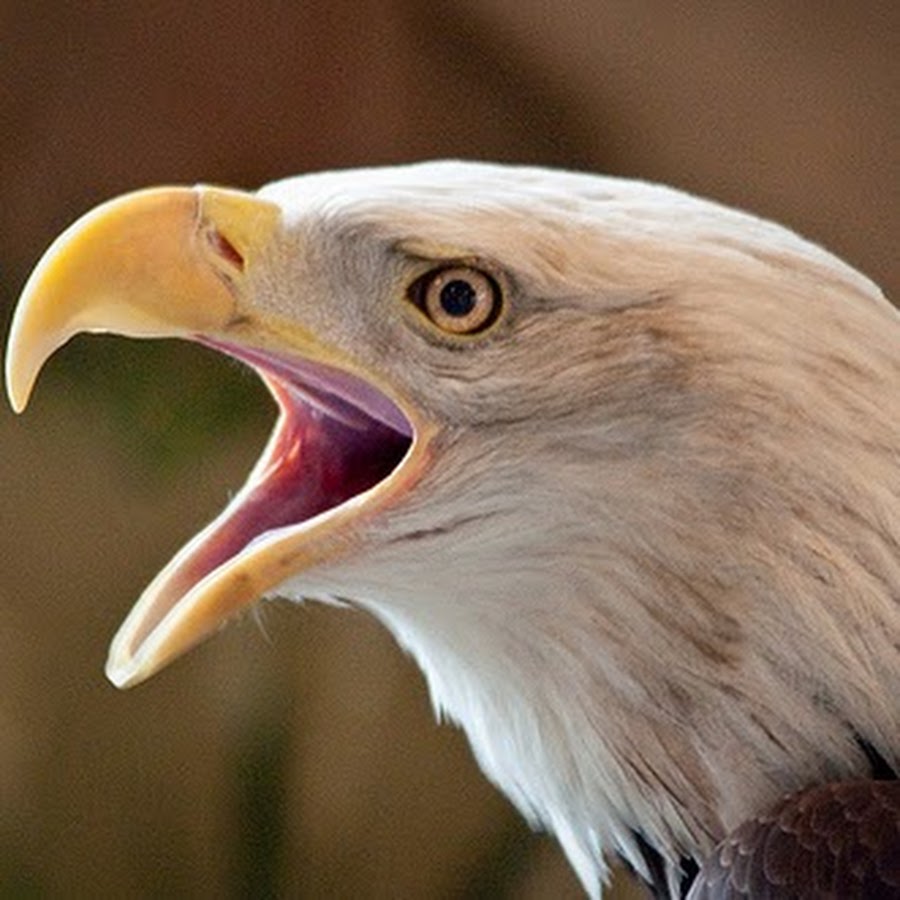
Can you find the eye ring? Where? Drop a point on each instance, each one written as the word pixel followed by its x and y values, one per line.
pixel 459 300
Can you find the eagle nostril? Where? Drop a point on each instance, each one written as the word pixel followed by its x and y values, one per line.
pixel 225 249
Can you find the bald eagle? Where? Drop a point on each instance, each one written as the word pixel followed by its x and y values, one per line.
pixel 618 466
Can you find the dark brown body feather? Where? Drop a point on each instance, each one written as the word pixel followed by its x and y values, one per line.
pixel 839 841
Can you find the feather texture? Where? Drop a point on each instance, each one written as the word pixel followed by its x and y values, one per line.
pixel 641 531
pixel 654 572
pixel 836 840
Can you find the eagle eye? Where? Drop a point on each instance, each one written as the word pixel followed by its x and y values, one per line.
pixel 459 300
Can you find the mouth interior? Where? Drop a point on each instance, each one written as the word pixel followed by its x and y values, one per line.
pixel 336 438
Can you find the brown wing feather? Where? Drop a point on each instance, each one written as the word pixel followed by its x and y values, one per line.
pixel 839 840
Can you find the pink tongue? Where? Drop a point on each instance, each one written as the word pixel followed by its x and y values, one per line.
pixel 314 463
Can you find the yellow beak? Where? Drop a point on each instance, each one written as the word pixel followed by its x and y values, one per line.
pixel 180 262
pixel 165 262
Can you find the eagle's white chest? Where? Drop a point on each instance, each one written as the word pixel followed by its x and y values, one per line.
pixel 546 740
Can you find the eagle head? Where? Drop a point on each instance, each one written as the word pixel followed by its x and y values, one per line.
pixel 617 465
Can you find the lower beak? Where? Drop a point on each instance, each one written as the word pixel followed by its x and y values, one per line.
pixel 166 262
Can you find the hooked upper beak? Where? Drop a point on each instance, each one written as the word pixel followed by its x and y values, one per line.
pixel 164 262
pixel 182 262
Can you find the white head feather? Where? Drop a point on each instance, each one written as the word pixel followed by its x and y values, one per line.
pixel 654 572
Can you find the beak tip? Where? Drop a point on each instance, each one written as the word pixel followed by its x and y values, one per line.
pixel 17 403
pixel 124 669
pixel 122 675
pixel 27 349
pixel 18 387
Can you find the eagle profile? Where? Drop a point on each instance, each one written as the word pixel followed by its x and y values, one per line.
pixel 618 466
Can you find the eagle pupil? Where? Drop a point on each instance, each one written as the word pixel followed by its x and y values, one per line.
pixel 458 298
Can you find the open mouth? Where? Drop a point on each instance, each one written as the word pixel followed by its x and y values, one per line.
pixel 180 262
pixel 337 438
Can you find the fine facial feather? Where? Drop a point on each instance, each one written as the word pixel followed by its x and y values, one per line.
pixel 671 484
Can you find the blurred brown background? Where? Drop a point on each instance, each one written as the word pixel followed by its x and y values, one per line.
pixel 295 755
